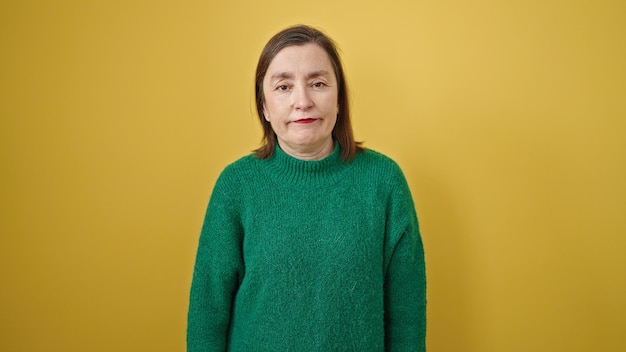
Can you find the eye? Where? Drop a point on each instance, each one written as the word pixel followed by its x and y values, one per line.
pixel 282 87
pixel 319 84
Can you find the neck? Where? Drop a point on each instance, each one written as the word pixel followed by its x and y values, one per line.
pixel 309 153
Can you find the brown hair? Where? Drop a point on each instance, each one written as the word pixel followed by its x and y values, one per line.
pixel 300 35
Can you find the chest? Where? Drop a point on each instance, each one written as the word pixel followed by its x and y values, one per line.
pixel 314 229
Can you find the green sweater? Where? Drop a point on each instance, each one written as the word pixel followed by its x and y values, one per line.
pixel 309 256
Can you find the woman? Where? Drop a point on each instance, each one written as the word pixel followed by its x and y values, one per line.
pixel 312 242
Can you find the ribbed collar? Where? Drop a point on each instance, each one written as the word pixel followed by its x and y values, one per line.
pixel 306 173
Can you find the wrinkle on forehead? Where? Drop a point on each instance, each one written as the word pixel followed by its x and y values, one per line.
pixel 300 61
pixel 289 75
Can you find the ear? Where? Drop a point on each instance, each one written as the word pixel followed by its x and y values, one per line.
pixel 266 114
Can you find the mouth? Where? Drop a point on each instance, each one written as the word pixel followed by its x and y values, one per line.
pixel 305 121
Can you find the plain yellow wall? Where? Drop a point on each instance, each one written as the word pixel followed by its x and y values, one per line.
pixel 508 117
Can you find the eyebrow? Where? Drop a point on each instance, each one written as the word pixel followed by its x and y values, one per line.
pixel 289 75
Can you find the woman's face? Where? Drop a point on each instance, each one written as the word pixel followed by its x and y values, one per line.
pixel 300 98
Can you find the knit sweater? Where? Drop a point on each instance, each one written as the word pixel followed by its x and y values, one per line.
pixel 301 255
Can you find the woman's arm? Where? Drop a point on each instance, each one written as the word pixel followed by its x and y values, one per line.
pixel 405 276
pixel 217 273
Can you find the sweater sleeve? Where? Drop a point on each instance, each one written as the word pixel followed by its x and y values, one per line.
pixel 405 276
pixel 217 272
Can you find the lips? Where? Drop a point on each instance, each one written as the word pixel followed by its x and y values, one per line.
pixel 305 121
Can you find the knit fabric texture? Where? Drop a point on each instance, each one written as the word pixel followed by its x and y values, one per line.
pixel 300 255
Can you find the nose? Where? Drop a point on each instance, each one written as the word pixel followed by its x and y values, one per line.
pixel 302 98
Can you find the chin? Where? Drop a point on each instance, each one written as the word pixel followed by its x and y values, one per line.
pixel 307 140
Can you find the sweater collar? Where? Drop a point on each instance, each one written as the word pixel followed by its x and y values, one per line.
pixel 309 172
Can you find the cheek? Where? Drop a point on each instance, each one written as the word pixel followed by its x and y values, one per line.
pixel 333 103
pixel 270 104
pixel 267 108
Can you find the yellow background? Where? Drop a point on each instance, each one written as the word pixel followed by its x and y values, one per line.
pixel 508 118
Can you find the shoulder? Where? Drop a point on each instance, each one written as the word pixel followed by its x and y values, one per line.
pixel 374 161
pixel 237 172
pixel 391 179
pixel 240 166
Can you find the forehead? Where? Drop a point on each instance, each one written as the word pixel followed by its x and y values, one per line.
pixel 300 59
